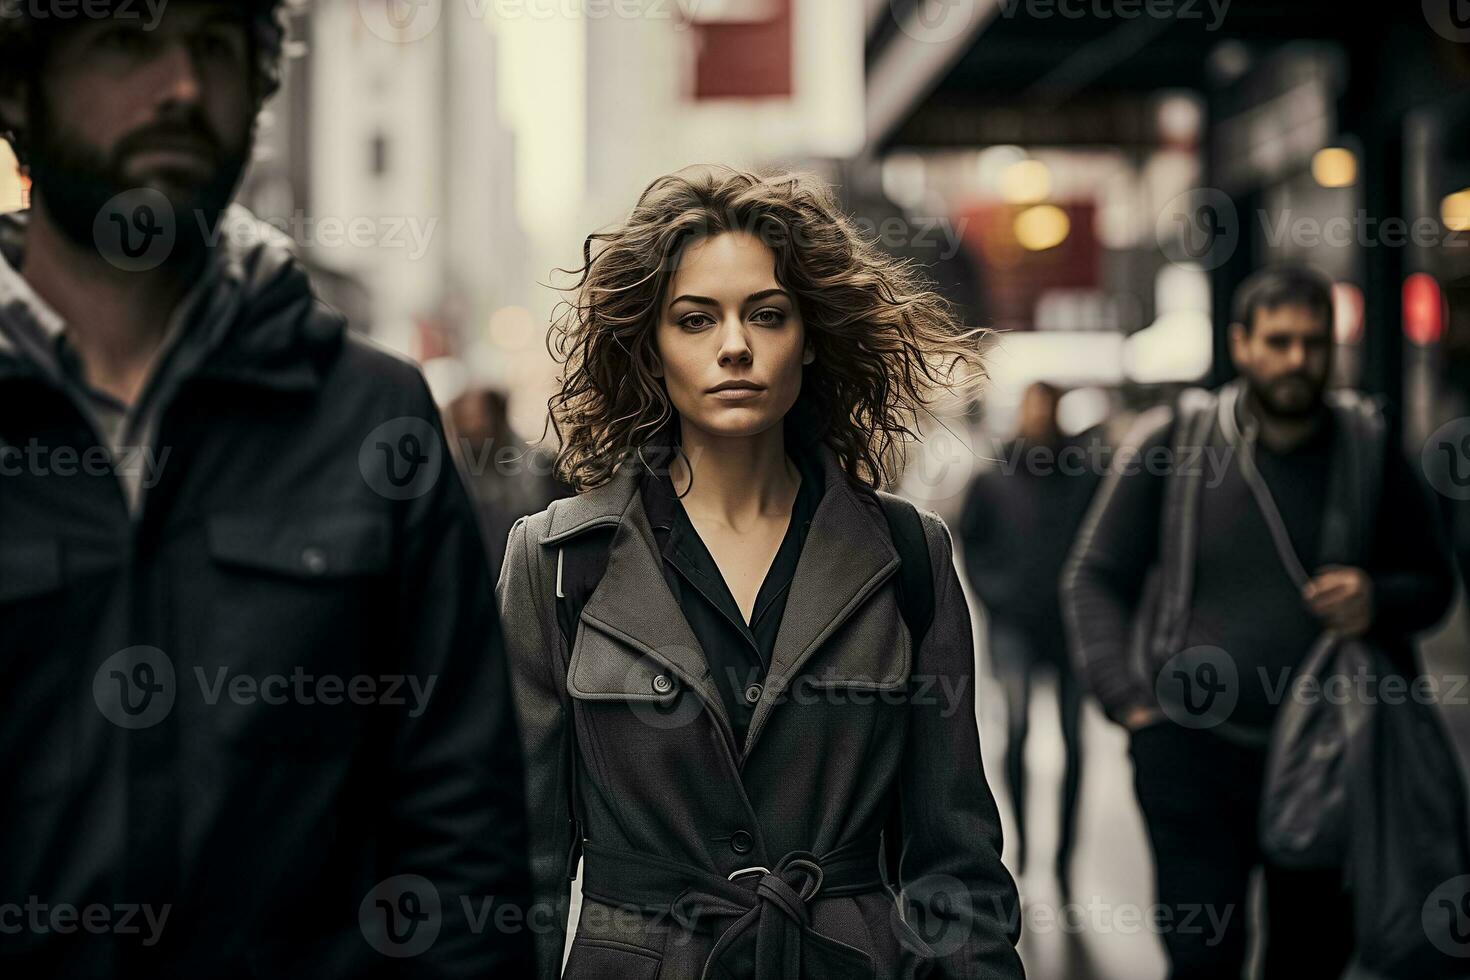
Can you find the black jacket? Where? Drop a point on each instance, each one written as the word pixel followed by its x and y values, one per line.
pixel 756 857
pixel 209 714
pixel 1019 521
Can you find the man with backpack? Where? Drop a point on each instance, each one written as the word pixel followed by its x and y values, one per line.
pixel 1234 530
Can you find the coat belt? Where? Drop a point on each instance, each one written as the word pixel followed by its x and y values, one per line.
pixel 771 907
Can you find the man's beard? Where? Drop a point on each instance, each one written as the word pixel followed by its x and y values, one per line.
pixel 76 182
pixel 1287 405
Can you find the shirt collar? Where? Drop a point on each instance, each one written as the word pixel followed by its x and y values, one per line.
pixel 664 511
pixel 37 332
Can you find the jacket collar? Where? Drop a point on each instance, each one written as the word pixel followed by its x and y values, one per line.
pixel 847 555
pixel 278 336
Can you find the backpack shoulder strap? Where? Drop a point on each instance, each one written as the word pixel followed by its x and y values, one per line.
pixel 915 584
pixel 916 603
pixel 581 562
pixel 1194 420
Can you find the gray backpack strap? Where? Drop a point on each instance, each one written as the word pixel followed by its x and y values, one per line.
pixel 1194 423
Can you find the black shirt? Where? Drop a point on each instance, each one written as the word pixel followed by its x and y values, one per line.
pixel 1245 601
pixel 739 654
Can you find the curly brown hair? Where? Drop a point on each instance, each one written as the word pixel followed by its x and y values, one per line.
pixel 885 341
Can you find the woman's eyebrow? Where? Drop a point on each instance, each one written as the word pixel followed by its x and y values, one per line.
pixel 707 301
pixel 697 300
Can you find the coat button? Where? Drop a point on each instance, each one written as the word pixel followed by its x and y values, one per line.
pixel 753 694
pixel 741 842
pixel 314 560
pixel 663 684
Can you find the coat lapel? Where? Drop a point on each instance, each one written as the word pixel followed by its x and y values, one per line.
pixel 632 601
pixel 847 555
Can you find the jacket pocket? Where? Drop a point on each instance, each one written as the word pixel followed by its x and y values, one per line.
pixel 624 701
pixel 605 669
pixel 597 959
pixel 325 548
pixel 299 613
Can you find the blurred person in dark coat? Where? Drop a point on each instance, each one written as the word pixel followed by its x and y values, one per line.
pixel 255 718
pixel 1018 524
pixel 508 479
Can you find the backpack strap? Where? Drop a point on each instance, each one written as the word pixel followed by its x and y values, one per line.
pixel 1194 422
pixel 916 604
pixel 915 584
pixel 580 564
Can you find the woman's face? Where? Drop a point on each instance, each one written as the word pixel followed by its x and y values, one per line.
pixel 730 339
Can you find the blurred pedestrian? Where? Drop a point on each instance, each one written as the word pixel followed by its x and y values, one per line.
pixel 742 674
pixel 1184 547
pixel 255 718
pixel 1019 522
pixel 508 479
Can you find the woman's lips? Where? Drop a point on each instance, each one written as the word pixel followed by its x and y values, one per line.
pixel 737 394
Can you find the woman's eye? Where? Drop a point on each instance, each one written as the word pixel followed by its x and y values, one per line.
pixel 771 317
pixel 695 321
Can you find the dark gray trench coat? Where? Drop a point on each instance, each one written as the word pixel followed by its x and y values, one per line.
pixel 707 858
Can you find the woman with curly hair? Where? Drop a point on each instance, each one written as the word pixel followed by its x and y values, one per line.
pixel 743 674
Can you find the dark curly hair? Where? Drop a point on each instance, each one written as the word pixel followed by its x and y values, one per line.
pixel 25 42
pixel 885 341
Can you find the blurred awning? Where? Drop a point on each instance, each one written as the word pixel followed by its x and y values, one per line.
pixel 1076 72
